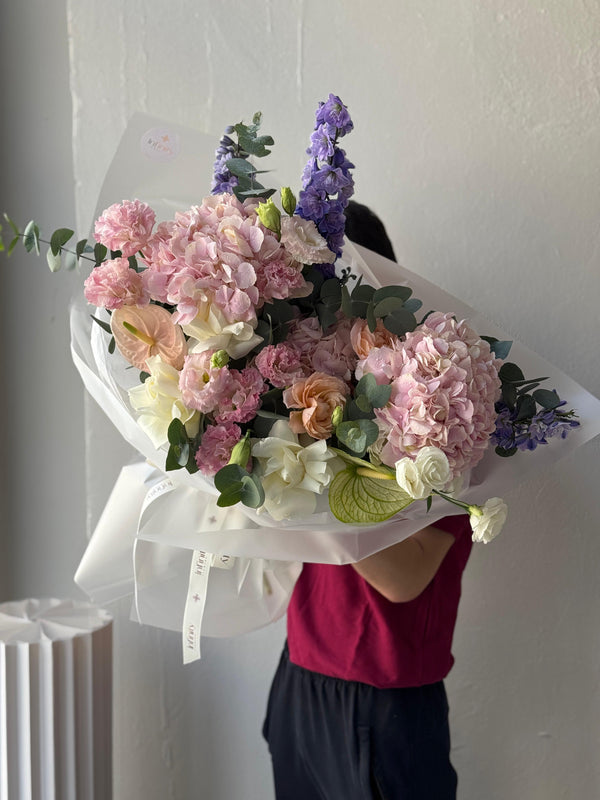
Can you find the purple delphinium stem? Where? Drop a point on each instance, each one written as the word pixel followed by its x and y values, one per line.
pixel 529 433
pixel 327 182
pixel 223 180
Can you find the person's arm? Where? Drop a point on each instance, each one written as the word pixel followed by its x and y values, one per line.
pixel 401 572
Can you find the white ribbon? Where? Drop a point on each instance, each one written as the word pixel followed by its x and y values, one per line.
pixel 194 605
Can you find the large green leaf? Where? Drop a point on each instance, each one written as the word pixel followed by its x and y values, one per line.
pixel 358 499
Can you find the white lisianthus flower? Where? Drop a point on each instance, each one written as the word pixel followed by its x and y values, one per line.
pixel 292 475
pixel 433 467
pixel 303 241
pixel 428 472
pixel 488 520
pixel 409 479
pixel 159 401
pixel 210 330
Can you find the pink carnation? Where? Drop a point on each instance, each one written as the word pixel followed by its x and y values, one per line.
pixel 203 387
pixel 304 242
pixel 444 386
pixel 215 449
pixel 125 226
pixel 241 399
pixel 280 364
pixel 114 284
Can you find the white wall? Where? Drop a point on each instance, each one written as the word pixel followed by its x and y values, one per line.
pixel 477 140
pixel 43 520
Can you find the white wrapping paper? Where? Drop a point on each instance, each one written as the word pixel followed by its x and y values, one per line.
pixel 55 701
pixel 146 543
pixel 178 517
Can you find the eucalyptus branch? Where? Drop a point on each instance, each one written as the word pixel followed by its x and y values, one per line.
pixel 32 239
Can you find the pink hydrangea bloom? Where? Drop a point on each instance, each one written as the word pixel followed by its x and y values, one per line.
pixel 334 353
pixel 203 387
pixel 241 399
pixel 383 362
pixel 114 284
pixel 444 383
pixel 305 334
pixel 215 448
pixel 280 364
pixel 207 253
pixel 125 226
pixel 220 252
pixel 158 256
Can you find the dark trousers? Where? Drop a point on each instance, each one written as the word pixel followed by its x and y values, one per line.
pixel 332 739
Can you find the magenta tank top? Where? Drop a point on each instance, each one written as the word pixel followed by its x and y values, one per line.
pixel 339 625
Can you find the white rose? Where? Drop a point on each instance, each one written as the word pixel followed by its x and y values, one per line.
pixel 160 401
pixel 488 520
pixel 303 241
pixel 291 474
pixel 429 471
pixel 433 467
pixel 210 330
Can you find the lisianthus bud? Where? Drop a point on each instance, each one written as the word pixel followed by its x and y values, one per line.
pixel 337 416
pixel 219 359
pixel 270 216
pixel 241 451
pixel 288 200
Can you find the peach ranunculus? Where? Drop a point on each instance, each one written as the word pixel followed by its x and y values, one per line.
pixel 363 340
pixel 151 332
pixel 317 396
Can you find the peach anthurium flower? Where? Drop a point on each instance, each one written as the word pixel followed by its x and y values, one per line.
pixel 142 332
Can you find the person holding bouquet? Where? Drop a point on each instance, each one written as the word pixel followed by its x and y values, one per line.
pixel 358 708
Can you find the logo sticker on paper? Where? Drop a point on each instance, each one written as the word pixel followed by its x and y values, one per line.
pixel 160 144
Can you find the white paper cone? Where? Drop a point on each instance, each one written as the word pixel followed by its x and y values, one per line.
pixel 55 701
pixel 145 543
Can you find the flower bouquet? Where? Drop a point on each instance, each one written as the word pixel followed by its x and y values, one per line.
pixel 297 399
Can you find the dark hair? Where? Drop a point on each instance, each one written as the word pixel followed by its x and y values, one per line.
pixel 365 228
